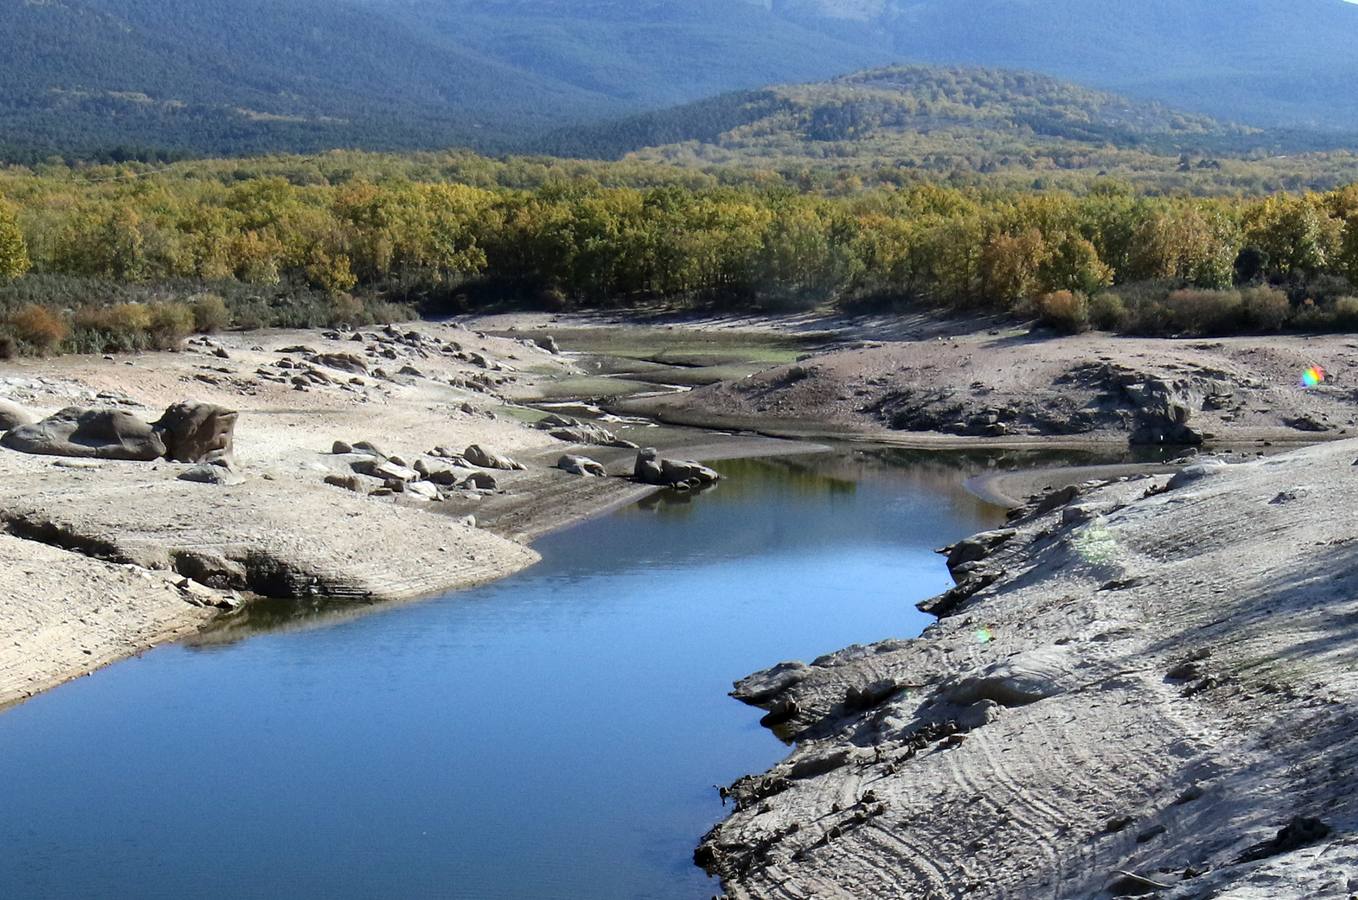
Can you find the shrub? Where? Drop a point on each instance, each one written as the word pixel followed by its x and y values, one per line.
pixel 1107 312
pixel 1345 311
pixel 1264 308
pixel 1066 311
pixel 346 309
pixel 210 313
pixel 1206 312
pixel 170 324
pixel 9 347
pixel 38 327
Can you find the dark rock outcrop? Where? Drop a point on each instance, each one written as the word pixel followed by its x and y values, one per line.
pixel 651 469
pixel 199 433
pixel 88 434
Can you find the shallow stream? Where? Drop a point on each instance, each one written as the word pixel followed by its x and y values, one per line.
pixel 556 734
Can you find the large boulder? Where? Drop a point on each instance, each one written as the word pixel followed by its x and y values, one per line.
pixel 573 431
pixel 682 472
pixel 1163 410
pixel 12 415
pixel 343 362
pixel 88 434
pixel 391 472
pixel 647 469
pixel 581 465
pixel 199 433
pixel 488 459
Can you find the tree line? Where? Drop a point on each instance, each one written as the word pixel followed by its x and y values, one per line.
pixel 341 240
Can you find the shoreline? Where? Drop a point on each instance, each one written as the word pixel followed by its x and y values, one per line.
pixel 107 534
pixel 1102 708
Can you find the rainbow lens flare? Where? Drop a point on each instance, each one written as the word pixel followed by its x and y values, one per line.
pixel 984 636
pixel 1314 376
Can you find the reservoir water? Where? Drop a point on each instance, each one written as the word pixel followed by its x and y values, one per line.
pixel 557 734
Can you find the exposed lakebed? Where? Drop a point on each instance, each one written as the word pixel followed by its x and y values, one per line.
pixel 555 734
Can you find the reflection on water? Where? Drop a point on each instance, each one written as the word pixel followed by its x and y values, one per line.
pixel 555 734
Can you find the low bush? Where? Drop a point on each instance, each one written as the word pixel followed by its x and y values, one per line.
pixel 1107 312
pixel 1264 308
pixel 1066 311
pixel 1205 312
pixel 210 313
pixel 37 328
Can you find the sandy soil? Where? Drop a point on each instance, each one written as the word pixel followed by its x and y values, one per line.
pixel 1152 692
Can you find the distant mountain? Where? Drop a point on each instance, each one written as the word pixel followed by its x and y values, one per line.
pixel 238 76
pixel 1265 62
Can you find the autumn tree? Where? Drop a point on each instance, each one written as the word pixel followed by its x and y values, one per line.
pixel 13 249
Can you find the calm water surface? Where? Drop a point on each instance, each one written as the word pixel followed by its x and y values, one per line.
pixel 556 734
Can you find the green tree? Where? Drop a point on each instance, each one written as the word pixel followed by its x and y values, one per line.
pixel 14 260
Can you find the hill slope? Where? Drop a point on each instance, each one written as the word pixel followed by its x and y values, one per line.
pixel 239 76
pixel 906 122
pixel 1267 62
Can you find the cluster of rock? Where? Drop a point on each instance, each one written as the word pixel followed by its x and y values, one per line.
pixel 189 431
pixel 680 474
pixel 1150 408
pixel 306 367
pixel 378 473
pixel 574 431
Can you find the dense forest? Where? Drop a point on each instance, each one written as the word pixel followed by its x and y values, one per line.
pixel 135 78
pixel 118 258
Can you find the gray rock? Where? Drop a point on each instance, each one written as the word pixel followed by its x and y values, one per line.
pixel 581 465
pixel 88 434
pixel 343 362
pixel 422 490
pixel 573 431
pixel 12 415
pixel 488 459
pixel 348 482
pixel 339 448
pixel 209 474
pixel 977 547
pixel 647 469
pixel 685 472
pixel 548 343
pixel 198 432
pixel 389 472
pixel 369 448
pixel 1196 472
pixel 481 481
pixel 444 477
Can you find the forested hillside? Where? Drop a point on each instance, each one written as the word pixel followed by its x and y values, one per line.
pixel 905 122
pixel 244 76
pixel 155 78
